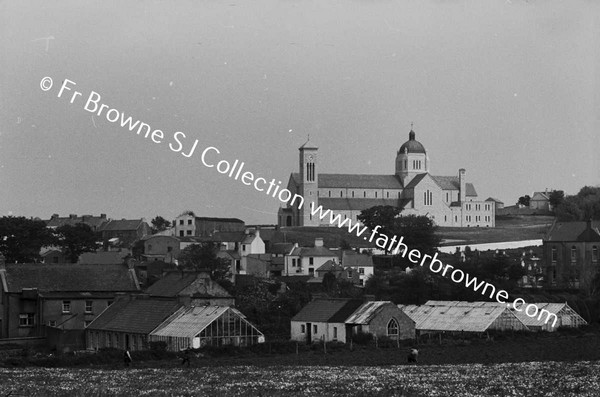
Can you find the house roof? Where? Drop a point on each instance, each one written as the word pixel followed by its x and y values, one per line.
pixel 69 277
pixel 281 248
pixel 176 283
pixel 540 196
pixel 452 183
pixel 365 313
pixel 122 225
pixel 494 199
pixel 92 221
pixel 330 265
pixel 574 231
pixel 354 259
pixel 312 251
pixel 102 257
pixel 327 310
pixel 210 219
pixel 138 315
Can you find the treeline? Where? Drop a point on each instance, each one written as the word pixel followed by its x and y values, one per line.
pixel 580 207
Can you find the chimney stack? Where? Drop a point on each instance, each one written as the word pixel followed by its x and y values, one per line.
pixel 54 216
pixel 72 216
pixel 319 242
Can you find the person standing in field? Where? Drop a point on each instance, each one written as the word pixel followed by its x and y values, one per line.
pixel 186 357
pixel 127 358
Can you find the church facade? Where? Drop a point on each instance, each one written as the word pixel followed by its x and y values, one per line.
pixel 447 200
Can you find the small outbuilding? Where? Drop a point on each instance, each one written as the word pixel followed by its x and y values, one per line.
pixel 381 319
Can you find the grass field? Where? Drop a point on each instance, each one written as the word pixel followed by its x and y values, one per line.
pixel 510 228
pixel 523 379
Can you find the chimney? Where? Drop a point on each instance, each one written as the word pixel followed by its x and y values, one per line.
pixel 102 216
pixel 54 216
pixel 319 242
pixel 257 232
pixel 462 193
pixel 72 216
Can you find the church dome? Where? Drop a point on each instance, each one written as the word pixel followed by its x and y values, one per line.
pixel 412 145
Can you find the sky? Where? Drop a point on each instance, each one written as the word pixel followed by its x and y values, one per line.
pixel 507 89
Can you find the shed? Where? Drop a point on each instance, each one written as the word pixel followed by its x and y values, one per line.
pixel 382 319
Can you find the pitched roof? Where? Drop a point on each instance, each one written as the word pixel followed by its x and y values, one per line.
pixel 70 277
pixel 415 181
pixel 574 231
pixel 354 259
pixel 358 204
pixel 123 224
pixel 312 251
pixel 210 219
pixel 541 196
pixel 357 181
pixel 330 265
pixel 494 199
pixel 365 313
pixel 327 310
pixel 177 283
pixel 92 221
pixel 102 257
pixel 189 322
pixel 452 183
pixel 281 248
pixel 138 315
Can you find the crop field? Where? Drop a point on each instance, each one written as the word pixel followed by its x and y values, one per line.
pixel 581 378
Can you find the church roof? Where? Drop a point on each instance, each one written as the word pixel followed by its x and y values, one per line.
pixel 358 204
pixel 452 183
pixel 412 145
pixel 359 181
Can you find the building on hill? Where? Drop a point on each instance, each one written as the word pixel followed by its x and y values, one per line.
pixel 64 296
pixel 570 254
pixel 303 261
pixel 499 204
pixel 381 319
pixel 448 200
pixel 188 224
pixel 197 288
pixel 540 201
pixel 92 221
pixel 361 263
pixel 127 231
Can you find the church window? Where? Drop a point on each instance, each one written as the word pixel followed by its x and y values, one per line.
pixel 375 194
pixel 392 328
pixel 388 194
pixel 455 218
pixel 353 194
pixel 330 193
pixel 427 198
pixel 341 193
pixel 398 194
pixel 405 164
pixel 445 218
pixel 365 194
pixel 447 197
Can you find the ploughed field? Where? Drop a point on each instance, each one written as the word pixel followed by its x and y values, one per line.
pixel 581 378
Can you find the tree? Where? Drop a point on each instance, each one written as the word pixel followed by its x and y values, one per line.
pixel 159 224
pixel 383 216
pixel 76 239
pixel 418 232
pixel 21 239
pixel 582 206
pixel 556 198
pixel 524 200
pixel 203 257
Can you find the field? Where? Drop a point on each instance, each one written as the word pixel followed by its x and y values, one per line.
pixel 508 228
pixel 524 379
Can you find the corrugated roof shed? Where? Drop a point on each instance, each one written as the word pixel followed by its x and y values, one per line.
pixel 365 313
pixel 188 322
pixel 453 318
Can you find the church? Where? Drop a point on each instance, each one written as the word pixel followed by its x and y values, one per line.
pixel 447 200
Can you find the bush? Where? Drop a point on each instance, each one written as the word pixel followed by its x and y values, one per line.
pixel 362 338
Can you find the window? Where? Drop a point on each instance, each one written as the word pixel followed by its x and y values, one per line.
pixel 447 197
pixel 188 232
pixel 375 194
pixel 392 327
pixel 365 194
pixel 189 221
pixel 427 198
pixel 66 306
pixel 341 193
pixel 311 270
pixel 311 261
pixel 349 273
pixel 181 233
pixel 353 194
pixel 52 323
pixel 314 328
pixel 594 254
pixel 334 332
pixel 361 270
pixel 293 262
pixel 181 221
pixel 405 164
pixel 244 247
pixel 26 320
pixel 169 249
pixel 329 191
pixel 302 328
pixel 388 194
pixel 88 306
pixel 573 254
